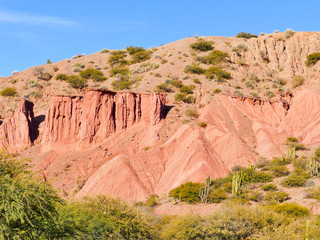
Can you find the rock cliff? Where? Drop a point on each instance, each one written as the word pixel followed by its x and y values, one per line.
pixel 18 132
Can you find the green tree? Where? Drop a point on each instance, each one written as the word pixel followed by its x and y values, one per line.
pixel 28 206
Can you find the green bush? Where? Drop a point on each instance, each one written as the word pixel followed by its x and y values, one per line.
pixel 217 196
pixel 62 77
pixel 313 193
pixel 279 171
pixel 246 35
pixel 183 97
pixel 202 45
pixel 291 140
pixel 9 92
pixel 292 209
pixel 152 201
pixel 216 91
pixel 122 82
pixel 104 51
pixel 234 222
pixel 187 192
pixel 118 58
pixel 76 82
pixel 121 71
pixel 277 196
pixel 141 56
pixel 163 87
pixel 105 218
pixel 95 75
pixel 297 81
pixel 312 59
pixel 218 73
pixel 195 69
pixel 203 124
pixel 257 176
pixel 176 83
pixel 215 57
pixel 28 208
pixel 269 187
pixel 132 50
pixel 294 180
pixel 187 89
pixel 190 112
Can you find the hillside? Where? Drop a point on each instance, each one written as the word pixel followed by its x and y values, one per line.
pixel 235 104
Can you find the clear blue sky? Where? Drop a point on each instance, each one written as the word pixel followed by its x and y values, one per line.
pixel 31 31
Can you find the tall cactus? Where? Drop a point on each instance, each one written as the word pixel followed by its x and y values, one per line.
pixel 313 167
pixel 205 190
pixel 237 182
pixel 251 167
pixel 291 153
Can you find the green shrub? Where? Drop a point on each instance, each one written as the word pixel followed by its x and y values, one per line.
pixel 218 73
pixel 95 75
pixel 176 83
pixel 187 89
pixel 216 91
pixel 187 192
pixel 76 82
pixel 191 113
pixel 196 81
pixel 195 69
pixel 257 176
pixel 105 218
pixel 202 45
pixel 269 187
pixel 163 87
pixel 152 201
pixel 279 171
pixel 291 140
pixel 132 50
pixel 183 97
pixel 104 51
pixel 28 208
pixel 289 33
pixel 277 196
pixel 121 71
pixel 292 209
pixel 297 81
pixel 122 82
pixel 118 58
pixel 313 193
pixel 215 57
pixel 317 152
pixel 270 94
pixel 9 92
pixel 294 180
pixel 217 196
pixel 246 35
pixel 312 59
pixel 203 124
pixel 141 56
pixel 62 77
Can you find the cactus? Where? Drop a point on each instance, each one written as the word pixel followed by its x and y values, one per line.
pixel 291 153
pixel 313 167
pixel 307 229
pixel 251 167
pixel 237 182
pixel 205 190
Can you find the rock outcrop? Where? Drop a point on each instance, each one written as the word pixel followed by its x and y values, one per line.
pixel 18 132
pixel 95 116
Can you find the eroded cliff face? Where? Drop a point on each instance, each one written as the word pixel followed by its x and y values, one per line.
pixel 96 115
pixel 113 143
pixel 18 132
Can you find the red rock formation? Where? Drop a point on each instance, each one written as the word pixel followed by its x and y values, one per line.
pixel 92 118
pixel 17 132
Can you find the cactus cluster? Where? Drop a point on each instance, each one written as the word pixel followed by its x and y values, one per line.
pixel 291 153
pixel 237 182
pixel 313 167
pixel 205 190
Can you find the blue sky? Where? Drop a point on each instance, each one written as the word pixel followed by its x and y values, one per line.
pixel 31 31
